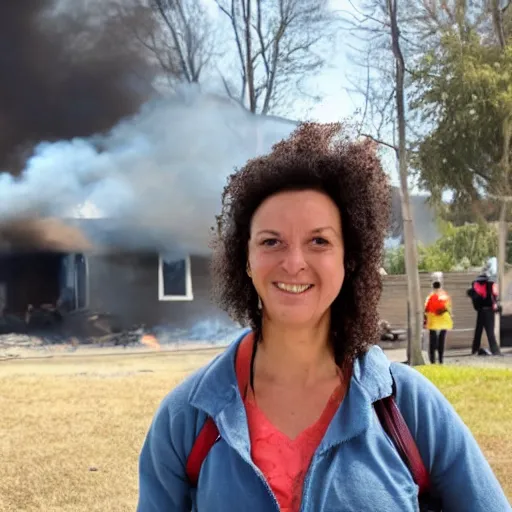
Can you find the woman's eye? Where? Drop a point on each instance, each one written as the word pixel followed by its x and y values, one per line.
pixel 320 241
pixel 270 242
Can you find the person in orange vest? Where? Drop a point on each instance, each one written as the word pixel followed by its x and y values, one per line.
pixel 438 317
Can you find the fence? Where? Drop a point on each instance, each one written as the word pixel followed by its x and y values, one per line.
pixel 393 304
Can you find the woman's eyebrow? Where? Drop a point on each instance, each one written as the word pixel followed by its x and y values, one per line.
pixel 325 228
pixel 316 230
pixel 267 232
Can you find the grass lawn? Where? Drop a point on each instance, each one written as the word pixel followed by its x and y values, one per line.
pixel 71 428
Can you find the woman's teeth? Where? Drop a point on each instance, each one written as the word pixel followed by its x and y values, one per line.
pixel 293 288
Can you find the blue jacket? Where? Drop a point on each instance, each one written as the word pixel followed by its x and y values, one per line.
pixel 355 468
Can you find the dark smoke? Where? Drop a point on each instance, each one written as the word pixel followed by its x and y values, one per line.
pixel 67 69
pixel 48 234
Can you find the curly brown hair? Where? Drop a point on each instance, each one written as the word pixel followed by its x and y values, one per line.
pixel 319 157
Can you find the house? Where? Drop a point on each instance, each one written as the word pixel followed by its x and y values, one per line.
pixel 122 268
pixel 424 219
pixel 97 266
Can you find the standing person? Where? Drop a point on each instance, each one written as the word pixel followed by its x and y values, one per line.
pixel 484 295
pixel 438 317
pixel 286 419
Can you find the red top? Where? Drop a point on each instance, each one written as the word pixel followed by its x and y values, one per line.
pixel 437 303
pixel 283 461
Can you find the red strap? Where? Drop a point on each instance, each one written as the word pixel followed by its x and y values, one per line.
pixel 204 441
pixel 394 424
pixel 209 434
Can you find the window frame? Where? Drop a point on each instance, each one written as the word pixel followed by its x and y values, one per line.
pixel 189 295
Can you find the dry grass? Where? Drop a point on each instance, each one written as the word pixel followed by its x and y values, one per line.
pixel 62 417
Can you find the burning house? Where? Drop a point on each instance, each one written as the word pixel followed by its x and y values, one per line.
pixel 90 277
pixel 141 255
pixel 56 283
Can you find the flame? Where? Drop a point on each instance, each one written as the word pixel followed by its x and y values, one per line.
pixel 150 341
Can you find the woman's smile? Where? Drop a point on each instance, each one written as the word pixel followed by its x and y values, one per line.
pixel 295 289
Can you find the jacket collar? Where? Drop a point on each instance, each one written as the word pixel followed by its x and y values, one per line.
pixel 217 394
pixel 371 381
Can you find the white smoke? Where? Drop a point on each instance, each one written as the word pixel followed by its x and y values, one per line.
pixel 155 179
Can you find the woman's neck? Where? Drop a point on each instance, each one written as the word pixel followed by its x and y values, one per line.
pixel 300 356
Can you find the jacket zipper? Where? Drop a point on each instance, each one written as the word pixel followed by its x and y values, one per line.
pixel 261 476
pixel 269 490
pixel 305 490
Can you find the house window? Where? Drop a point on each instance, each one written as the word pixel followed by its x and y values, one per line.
pixel 174 279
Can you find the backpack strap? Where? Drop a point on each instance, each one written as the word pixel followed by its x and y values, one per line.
pixel 207 437
pixel 395 426
pixel 209 433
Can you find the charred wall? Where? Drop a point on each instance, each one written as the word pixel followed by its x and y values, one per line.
pixel 126 286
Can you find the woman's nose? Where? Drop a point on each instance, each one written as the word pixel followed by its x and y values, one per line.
pixel 294 260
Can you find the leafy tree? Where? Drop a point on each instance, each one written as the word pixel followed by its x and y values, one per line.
pixel 459 248
pixel 464 91
pixel 467 212
pixel 433 258
pixel 394 260
pixel 475 243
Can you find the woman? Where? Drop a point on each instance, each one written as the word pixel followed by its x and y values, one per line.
pixel 300 240
pixel 438 317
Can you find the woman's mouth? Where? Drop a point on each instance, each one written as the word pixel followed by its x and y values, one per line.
pixel 293 288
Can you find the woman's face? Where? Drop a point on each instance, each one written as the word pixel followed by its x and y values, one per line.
pixel 296 256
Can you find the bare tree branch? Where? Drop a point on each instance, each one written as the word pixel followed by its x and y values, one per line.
pixel 386 101
pixel 180 38
pixel 276 43
pixel 381 142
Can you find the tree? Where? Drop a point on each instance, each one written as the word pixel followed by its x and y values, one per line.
pixel 463 91
pixel 505 100
pixel 458 248
pixel 190 42
pixel 179 36
pixel 277 46
pixel 379 22
pixel 411 256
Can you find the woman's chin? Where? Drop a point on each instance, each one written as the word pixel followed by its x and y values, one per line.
pixel 291 317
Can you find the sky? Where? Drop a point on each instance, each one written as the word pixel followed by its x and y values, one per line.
pixel 332 83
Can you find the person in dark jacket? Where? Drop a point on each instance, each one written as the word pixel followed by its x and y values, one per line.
pixel 484 295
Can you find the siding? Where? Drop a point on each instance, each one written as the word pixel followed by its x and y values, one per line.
pixel 126 286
